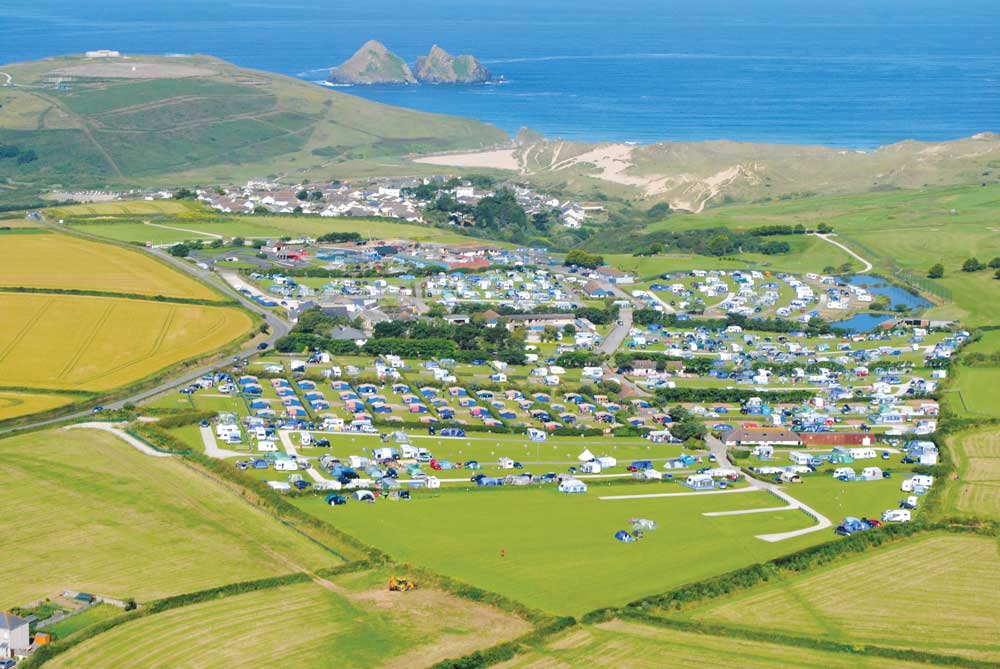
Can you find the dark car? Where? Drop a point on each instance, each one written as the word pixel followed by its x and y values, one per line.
pixel 204 423
pixel 302 485
pixel 336 500
pixel 97 409
pixel 261 346
pixel 518 465
pixel 323 443
pixel 547 477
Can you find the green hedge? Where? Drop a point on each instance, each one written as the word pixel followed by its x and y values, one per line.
pixel 509 649
pixel 128 296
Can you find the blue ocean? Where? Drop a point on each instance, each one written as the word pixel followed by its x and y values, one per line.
pixel 851 73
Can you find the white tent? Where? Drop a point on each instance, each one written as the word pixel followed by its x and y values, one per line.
pixel 586 456
pixel 361 495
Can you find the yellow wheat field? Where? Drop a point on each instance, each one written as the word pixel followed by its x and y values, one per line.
pixel 937 594
pixel 95 343
pixel 62 261
pixel 14 404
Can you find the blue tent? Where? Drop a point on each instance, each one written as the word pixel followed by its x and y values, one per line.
pixel 622 535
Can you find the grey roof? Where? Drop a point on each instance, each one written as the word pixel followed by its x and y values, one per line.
pixel 342 332
pixel 8 621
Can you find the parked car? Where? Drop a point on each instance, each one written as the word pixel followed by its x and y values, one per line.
pixel 204 423
pixel 97 409
pixel 885 455
pixel 302 485
pixel 261 346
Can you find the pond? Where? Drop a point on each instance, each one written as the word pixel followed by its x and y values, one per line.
pixel 863 322
pixel 882 288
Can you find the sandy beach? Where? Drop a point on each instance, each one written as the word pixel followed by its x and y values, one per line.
pixel 501 159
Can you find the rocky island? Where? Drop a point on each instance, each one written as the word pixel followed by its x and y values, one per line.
pixel 440 67
pixel 374 63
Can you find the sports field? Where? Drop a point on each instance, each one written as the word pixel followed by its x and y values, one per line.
pixel 560 551
pixel 97 343
pixel 63 261
pixel 935 594
pixel 14 404
pixel 978 488
pixel 620 643
pixel 93 514
pixel 304 625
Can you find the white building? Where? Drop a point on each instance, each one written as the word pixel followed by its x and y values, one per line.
pixel 13 636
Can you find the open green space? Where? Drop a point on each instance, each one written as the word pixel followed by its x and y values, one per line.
pixel 351 622
pixel 621 643
pixel 98 516
pixel 978 390
pixel 935 594
pixel 977 457
pixel 73 624
pixel 553 544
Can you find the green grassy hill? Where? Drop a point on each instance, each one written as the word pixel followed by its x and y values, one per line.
pixel 73 122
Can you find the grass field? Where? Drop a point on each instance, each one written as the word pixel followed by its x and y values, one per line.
pixel 561 555
pixel 96 515
pixel 620 643
pixel 978 458
pixel 935 594
pixel 15 404
pixel 980 391
pixel 91 616
pixel 196 223
pixel 304 625
pixel 62 261
pixel 97 343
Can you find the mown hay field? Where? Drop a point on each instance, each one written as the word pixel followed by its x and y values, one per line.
pixel 124 208
pixel 65 262
pixel 94 514
pixel 978 488
pixel 935 594
pixel 14 404
pixel 621 643
pixel 97 343
pixel 305 625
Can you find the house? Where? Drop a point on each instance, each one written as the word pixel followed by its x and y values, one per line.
pixel 836 439
pixel 596 290
pixel 573 486
pixel 13 636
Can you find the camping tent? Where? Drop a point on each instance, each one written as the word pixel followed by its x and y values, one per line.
pixel 586 456
pixel 622 535
pixel 362 495
pixel 643 524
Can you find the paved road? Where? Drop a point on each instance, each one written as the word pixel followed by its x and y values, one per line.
pixel 618 334
pixel 826 238
pixel 822 522
pixel 278 328
pixel 212 449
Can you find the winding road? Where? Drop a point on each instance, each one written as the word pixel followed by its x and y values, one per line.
pixel 826 238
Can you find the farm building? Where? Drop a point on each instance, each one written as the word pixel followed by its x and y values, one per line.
pixel 13 636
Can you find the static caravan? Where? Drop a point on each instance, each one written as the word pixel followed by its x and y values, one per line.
pixel 862 453
pixel 800 458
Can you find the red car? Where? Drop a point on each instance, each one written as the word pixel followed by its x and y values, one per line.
pixel 434 465
pixel 873 522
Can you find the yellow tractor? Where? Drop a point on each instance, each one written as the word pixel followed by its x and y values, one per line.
pixel 397 584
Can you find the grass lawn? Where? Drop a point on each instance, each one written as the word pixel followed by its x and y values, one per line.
pixel 62 261
pixel 98 343
pixel 978 488
pixel 354 624
pixel 101 517
pixel 936 594
pixel 620 643
pixel 74 624
pixel 862 499
pixel 555 544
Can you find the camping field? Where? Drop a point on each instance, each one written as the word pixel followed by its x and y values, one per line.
pixel 75 342
pixel 620 643
pixel 353 622
pixel 977 455
pixel 64 262
pixel 560 552
pixel 94 514
pixel 934 594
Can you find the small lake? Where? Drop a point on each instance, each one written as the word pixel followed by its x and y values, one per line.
pixel 882 288
pixel 863 322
